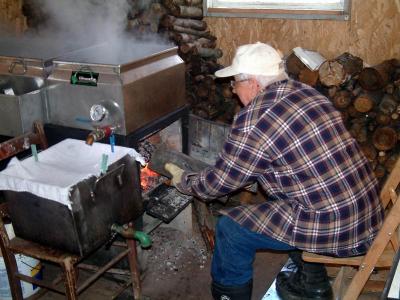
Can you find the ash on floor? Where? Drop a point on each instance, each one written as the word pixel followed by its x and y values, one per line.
pixel 172 252
pixel 172 257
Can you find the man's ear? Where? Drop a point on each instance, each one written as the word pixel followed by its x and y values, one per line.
pixel 255 85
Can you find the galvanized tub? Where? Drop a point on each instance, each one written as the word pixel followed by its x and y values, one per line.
pixel 83 222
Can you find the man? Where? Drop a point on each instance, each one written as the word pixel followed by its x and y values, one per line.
pixel 322 195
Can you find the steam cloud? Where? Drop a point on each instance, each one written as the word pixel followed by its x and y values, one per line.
pixel 90 22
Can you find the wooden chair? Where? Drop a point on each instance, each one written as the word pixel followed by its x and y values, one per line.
pixel 68 262
pixel 380 254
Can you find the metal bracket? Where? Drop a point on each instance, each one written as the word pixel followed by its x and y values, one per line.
pixel 118 171
pixel 15 63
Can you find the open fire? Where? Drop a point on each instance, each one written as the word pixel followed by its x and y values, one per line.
pixel 149 179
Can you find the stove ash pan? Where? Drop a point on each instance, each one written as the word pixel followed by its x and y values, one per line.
pixel 140 87
pixel 96 204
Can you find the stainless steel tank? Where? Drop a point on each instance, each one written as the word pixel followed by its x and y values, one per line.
pixel 117 83
pixel 25 64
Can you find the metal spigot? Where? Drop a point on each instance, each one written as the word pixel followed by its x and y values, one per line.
pixel 99 134
pixel 130 233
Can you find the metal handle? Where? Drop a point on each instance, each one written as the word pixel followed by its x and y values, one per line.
pixel 85 69
pixel 15 63
pixel 119 170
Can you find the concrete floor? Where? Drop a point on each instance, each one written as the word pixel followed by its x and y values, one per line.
pixel 176 267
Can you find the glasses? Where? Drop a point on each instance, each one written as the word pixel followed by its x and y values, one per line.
pixel 235 82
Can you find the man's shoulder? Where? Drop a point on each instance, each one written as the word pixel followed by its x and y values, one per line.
pixel 291 86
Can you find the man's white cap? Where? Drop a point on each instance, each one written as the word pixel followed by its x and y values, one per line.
pixel 254 59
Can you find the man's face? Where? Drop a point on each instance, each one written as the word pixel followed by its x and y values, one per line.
pixel 246 89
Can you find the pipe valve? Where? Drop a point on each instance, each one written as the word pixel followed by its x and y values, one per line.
pixel 129 233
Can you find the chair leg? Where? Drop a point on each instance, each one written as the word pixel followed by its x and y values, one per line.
pixel 134 268
pixel 370 259
pixel 70 279
pixel 12 269
pixel 338 285
pixel 9 260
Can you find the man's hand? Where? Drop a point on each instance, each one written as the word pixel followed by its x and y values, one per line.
pixel 175 171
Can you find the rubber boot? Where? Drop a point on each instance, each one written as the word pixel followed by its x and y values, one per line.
pixel 240 292
pixel 295 256
pixel 310 281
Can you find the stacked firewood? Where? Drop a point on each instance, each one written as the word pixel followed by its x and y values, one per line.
pixel 367 97
pixel 181 21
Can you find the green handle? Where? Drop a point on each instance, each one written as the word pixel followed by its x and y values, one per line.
pixel 130 233
pixel 143 238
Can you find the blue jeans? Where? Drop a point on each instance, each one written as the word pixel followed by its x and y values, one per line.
pixel 235 250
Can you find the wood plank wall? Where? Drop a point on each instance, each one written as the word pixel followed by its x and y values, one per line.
pixel 12 19
pixel 373 33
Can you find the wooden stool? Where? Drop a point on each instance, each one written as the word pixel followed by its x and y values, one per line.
pixel 68 262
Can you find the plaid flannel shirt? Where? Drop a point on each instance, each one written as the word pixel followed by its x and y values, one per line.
pixel 322 194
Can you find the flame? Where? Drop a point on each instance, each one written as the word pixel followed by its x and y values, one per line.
pixel 147 177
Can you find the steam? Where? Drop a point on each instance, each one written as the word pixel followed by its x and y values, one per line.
pixel 88 22
pixel 78 24
pixel 83 19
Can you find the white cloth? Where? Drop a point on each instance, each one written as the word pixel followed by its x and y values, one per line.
pixel 59 168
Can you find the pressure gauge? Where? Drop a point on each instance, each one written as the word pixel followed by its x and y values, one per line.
pixel 98 112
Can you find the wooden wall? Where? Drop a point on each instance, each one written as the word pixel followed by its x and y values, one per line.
pixel 12 19
pixel 372 34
